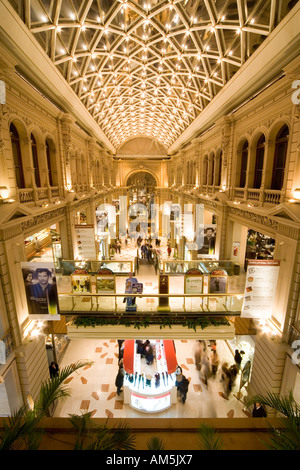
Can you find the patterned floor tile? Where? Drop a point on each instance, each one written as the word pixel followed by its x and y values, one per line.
pixel 95 395
pixel 104 387
pixel 83 380
pixel 85 404
pixel 118 405
pixel 109 414
pixel 111 395
pixel 109 360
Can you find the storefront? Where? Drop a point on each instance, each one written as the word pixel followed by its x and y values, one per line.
pixel 150 386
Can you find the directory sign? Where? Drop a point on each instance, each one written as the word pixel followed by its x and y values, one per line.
pixel 260 289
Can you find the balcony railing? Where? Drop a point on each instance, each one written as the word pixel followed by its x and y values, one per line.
pixel 175 304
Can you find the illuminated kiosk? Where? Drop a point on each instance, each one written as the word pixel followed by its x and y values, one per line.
pixel 150 388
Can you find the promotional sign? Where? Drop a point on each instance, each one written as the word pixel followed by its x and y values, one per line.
pixel 163 286
pixel 206 239
pixel 85 237
pixel 137 287
pixel 193 282
pixel 41 290
pixel 235 248
pixel 81 281
pixel 218 281
pixel 260 288
pixel 105 281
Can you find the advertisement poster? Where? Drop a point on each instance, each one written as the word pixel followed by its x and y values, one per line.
pixel 85 238
pixel 106 219
pixel 81 281
pixel 137 287
pixel 105 284
pixel 206 240
pixel 193 282
pixel 260 288
pixel 236 248
pixel 218 282
pixel 41 290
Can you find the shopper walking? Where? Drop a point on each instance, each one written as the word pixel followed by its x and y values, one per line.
pixel 205 368
pixel 120 380
pixel 214 360
pixel 238 358
pixel 182 386
pixel 53 369
pixel 258 411
pixel 227 380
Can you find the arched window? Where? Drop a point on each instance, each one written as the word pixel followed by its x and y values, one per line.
pixel 49 162
pixel 259 162
pixel 244 162
pixel 212 169
pixel 205 170
pixel 219 170
pixel 281 144
pixel 35 162
pixel 16 151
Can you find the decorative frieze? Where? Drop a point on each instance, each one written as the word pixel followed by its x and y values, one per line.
pixel 256 218
pixel 42 218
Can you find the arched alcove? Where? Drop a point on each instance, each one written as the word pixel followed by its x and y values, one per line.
pixel 142 146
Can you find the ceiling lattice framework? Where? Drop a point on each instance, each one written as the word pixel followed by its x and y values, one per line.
pixel 149 67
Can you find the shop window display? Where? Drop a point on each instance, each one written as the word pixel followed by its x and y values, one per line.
pixel 259 246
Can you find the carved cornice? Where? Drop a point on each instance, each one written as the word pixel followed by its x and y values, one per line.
pixel 42 218
pixel 254 217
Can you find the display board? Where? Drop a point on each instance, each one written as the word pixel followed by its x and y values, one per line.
pixel 163 289
pixel 260 288
pixel 105 281
pixel 41 290
pixel 81 281
pixel 85 238
pixel 193 282
pixel 137 287
pixel 217 283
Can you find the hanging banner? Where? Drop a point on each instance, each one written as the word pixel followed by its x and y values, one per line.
pixel 206 240
pixel 41 290
pixel 85 237
pixel 260 289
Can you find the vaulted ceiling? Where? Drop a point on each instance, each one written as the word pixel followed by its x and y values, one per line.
pixel 149 67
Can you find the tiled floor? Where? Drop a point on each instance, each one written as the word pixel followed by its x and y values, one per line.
pixel 93 388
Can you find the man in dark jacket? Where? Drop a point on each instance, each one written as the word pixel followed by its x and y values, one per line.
pixel 119 380
pixel 182 386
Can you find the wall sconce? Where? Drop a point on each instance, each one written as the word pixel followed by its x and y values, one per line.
pixel 296 194
pixel 4 192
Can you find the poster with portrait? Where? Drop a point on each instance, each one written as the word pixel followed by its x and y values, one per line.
pixel 206 239
pixel 116 204
pixel 41 290
pixel 81 281
pixel 218 281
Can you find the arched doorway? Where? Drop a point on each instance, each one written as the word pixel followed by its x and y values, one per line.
pixel 141 186
pixel 141 192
